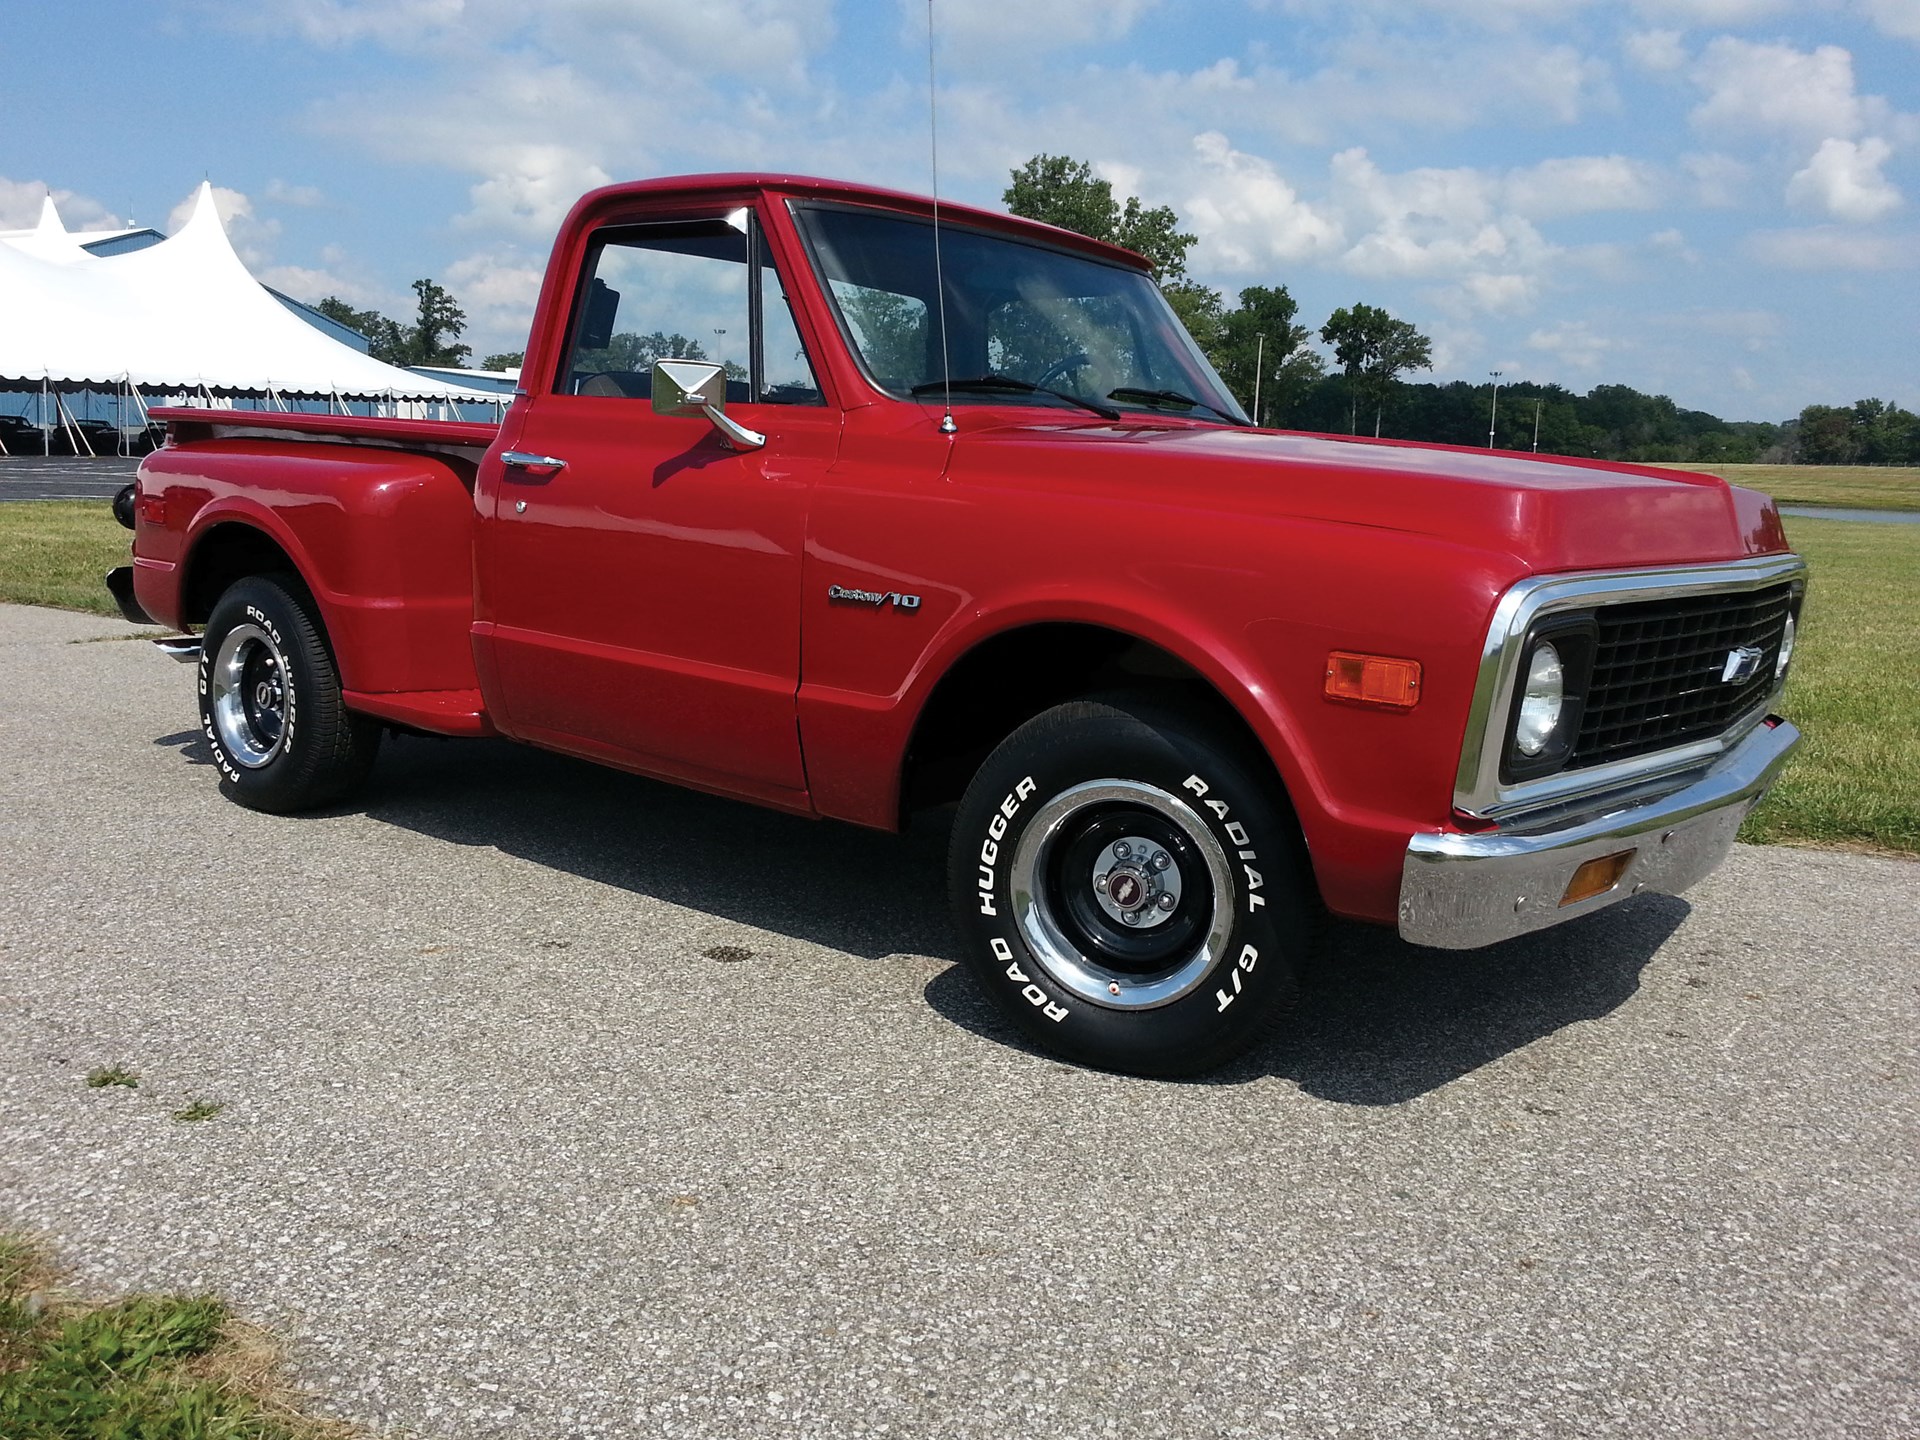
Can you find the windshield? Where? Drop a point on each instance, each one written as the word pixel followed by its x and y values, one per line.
pixel 1064 326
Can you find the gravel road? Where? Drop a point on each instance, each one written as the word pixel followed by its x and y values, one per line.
pixel 562 1104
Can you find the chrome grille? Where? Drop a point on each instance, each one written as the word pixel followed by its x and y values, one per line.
pixel 1657 668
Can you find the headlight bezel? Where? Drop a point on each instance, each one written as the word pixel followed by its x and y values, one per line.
pixel 1575 636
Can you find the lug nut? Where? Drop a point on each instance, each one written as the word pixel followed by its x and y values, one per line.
pixel 1100 884
pixel 1121 849
pixel 1161 860
pixel 1166 901
pixel 1129 917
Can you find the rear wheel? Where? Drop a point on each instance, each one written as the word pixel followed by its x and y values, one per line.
pixel 270 701
pixel 1128 892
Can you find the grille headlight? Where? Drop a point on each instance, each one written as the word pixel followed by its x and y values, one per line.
pixel 1542 701
pixel 1786 651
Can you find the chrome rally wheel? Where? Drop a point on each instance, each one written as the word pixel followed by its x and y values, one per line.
pixel 1130 887
pixel 249 680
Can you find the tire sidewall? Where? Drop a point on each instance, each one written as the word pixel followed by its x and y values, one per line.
pixel 261 603
pixel 1251 980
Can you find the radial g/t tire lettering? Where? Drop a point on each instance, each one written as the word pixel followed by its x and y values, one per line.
pixel 1127 891
pixel 270 702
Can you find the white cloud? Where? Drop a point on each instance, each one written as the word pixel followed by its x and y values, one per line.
pixel 1756 330
pixel 1575 344
pixel 1828 247
pixel 973 30
pixel 310 285
pixel 1844 179
pixel 1431 224
pixel 1660 51
pixel 1672 244
pixel 1582 184
pixel 1719 181
pixel 1774 89
pixel 21 202
pixel 279 192
pixel 1898 18
pixel 497 288
pixel 1247 215
pixel 531 189
pixel 1712 14
pixel 335 23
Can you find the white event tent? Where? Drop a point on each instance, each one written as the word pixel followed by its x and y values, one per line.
pixel 180 317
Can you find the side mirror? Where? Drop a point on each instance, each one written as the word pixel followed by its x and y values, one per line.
pixel 699 387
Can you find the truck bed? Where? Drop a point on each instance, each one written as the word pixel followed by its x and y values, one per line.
pixel 190 423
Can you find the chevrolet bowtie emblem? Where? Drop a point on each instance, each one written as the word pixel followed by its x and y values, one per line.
pixel 1742 663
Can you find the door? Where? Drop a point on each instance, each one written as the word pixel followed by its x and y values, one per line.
pixel 640 599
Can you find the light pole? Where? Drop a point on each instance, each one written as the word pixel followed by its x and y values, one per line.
pixel 1536 424
pixel 1259 364
pixel 1493 414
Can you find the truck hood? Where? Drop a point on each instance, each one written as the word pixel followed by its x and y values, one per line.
pixel 1550 513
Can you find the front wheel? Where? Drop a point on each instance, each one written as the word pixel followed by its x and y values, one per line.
pixel 270 701
pixel 1127 891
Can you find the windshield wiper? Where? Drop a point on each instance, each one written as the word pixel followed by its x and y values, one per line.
pixel 1173 397
pixel 1022 387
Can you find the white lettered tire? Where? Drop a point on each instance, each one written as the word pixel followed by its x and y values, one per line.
pixel 1128 891
pixel 270 702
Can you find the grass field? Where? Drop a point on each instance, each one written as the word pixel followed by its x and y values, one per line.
pixel 1854 487
pixel 58 552
pixel 1854 691
pixel 147 1367
pixel 1855 688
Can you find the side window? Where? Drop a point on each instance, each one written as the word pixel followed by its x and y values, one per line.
pixel 785 376
pixel 684 291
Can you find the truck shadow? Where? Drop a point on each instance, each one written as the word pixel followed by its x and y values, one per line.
pixel 1380 1021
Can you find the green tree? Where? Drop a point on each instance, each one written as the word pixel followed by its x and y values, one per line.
pixel 1261 350
pixel 505 360
pixel 385 339
pixel 1060 190
pixel 438 324
pixel 1374 350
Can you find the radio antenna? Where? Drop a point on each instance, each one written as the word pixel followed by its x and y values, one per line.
pixel 947 427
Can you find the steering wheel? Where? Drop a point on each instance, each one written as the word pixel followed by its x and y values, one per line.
pixel 1059 369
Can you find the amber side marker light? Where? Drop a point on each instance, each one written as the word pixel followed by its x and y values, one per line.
pixel 1373 680
pixel 1596 877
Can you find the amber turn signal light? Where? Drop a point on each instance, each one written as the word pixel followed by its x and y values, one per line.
pixel 1373 680
pixel 1596 877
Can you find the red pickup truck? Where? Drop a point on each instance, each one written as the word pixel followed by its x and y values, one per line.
pixel 798 505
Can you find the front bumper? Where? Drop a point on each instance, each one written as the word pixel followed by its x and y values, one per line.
pixel 1458 890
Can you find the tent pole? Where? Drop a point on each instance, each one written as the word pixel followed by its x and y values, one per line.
pixel 75 436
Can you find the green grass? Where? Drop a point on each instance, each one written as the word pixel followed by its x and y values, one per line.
pixel 199 1110
pixel 102 1076
pixel 1852 487
pixel 1854 692
pixel 58 552
pixel 146 1367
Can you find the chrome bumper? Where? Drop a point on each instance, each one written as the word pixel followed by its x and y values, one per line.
pixel 1458 890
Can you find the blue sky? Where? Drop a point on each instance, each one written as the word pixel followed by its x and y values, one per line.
pixel 1711 199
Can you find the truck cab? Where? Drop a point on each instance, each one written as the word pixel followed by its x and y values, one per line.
pixel 826 498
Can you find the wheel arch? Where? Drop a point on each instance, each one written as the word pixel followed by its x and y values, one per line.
pixel 1001 679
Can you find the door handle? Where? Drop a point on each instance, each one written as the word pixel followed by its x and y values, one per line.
pixel 537 467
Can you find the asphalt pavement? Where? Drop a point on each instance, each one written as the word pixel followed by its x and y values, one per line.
pixel 562 1104
pixel 64 477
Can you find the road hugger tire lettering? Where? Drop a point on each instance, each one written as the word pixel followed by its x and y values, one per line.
pixel 1129 890
pixel 270 701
